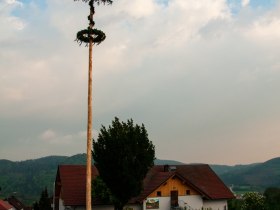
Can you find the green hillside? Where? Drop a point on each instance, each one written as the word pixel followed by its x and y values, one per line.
pixel 224 169
pixel 167 162
pixel 26 179
pixel 261 175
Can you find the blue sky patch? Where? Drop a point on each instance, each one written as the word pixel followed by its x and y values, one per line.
pixel 19 10
pixel 263 3
pixel 40 3
pixel 236 5
pixel 162 2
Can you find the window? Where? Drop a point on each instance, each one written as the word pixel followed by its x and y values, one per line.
pixel 188 192
pixel 159 193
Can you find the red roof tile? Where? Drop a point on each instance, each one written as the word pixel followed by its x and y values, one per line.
pixel 73 182
pixel 205 180
pixel 199 176
pixel 5 205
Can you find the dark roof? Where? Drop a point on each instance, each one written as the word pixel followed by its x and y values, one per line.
pixel 16 203
pixel 5 205
pixel 72 178
pixel 154 178
pixel 207 182
pixel 198 176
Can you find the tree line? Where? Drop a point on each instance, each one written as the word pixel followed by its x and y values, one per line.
pixel 269 200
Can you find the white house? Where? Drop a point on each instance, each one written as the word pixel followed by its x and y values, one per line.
pixel 190 187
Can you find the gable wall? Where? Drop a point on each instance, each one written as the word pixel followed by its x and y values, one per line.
pixel 173 184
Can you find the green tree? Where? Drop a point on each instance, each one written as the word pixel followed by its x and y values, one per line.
pixel 253 201
pixel 234 204
pixel 44 202
pixel 123 154
pixel 101 191
pixel 35 206
pixel 272 198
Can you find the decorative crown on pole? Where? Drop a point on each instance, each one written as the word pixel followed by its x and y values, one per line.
pixel 91 34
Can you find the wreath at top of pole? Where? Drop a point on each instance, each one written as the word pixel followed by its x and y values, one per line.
pixel 92 34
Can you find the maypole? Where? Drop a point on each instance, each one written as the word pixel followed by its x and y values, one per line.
pixel 90 36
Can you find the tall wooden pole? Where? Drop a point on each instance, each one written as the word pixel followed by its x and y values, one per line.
pixel 89 126
pixel 89 133
pixel 90 36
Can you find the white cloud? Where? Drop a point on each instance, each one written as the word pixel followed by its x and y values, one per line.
pixel 48 135
pixel 266 28
pixel 52 137
pixel 16 23
pixel 10 24
pixel 12 94
pixel 140 8
pixel 14 2
pixel 245 3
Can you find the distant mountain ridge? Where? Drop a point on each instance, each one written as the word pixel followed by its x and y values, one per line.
pixel 264 175
pixel 26 179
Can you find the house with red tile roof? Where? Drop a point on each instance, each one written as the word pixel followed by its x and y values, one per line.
pixel 16 203
pixel 4 205
pixel 190 187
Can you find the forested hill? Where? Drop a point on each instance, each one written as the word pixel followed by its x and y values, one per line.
pixel 262 174
pixel 26 179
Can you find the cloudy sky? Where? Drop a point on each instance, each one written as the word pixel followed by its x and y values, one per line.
pixel 202 75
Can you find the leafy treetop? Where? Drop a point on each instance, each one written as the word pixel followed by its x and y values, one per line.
pixel 253 201
pixel 123 155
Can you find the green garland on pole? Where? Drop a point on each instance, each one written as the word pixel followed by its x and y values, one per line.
pixel 98 1
pixel 90 34
pixel 95 35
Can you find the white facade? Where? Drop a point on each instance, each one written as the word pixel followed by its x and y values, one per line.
pixel 215 205
pixel 190 202
pixel 100 207
pixel 61 205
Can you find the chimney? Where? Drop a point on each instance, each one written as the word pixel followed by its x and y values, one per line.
pixel 168 168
